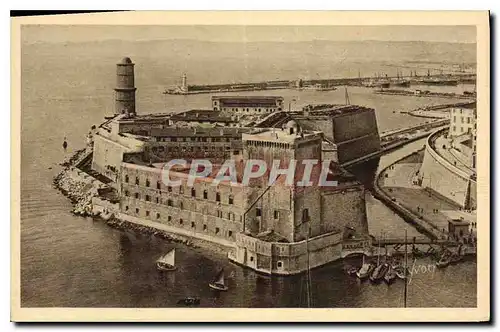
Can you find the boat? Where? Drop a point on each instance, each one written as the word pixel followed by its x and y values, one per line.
pixel 384 84
pixel 390 276
pixel 440 81
pixel 187 301
pixel 381 269
pixel 167 261
pixel 365 270
pixel 219 282
pixel 455 258
pixel 444 261
pixel 352 270
pixel 401 83
pixel 417 252
pixel 320 87
pixel 379 272
pixel 400 272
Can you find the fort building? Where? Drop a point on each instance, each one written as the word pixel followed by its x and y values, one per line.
pixel 275 228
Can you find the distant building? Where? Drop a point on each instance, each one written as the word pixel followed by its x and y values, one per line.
pixel 462 120
pixel 247 105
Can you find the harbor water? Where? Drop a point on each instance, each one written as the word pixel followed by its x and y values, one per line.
pixel 69 261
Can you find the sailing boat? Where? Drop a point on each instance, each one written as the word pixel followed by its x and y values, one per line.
pixel 167 261
pixel 391 275
pixel 365 270
pixel 219 283
pixel 381 269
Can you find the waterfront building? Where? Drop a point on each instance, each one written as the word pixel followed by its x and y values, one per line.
pixel 462 120
pixel 247 105
pixel 449 165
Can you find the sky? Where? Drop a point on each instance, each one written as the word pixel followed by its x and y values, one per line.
pixel 82 33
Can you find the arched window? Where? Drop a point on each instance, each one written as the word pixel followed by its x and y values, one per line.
pixel 126 178
pixel 205 194
pixel 147 183
pixel 193 192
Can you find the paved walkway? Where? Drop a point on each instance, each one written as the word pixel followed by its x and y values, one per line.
pixel 434 209
pixel 446 154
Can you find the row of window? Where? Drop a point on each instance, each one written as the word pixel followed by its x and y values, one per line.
pixel 187 149
pixel 462 129
pixel 194 139
pixel 170 202
pixel 181 221
pixel 230 198
pixel 462 119
pixel 260 110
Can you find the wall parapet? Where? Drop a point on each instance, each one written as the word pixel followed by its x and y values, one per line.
pixel 429 147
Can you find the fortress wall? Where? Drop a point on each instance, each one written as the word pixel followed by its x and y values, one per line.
pixel 344 208
pixel 107 153
pixel 439 175
pixel 323 124
pixel 358 147
pixel 354 124
pixel 356 135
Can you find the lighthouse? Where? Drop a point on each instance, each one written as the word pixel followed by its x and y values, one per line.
pixel 125 87
pixel 184 86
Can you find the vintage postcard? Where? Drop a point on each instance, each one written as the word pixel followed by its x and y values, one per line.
pixel 251 166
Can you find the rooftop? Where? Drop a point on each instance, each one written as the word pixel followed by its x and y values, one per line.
pixel 246 97
pixel 173 131
pixel 201 115
pixel 281 135
pixel 122 118
pixel 334 109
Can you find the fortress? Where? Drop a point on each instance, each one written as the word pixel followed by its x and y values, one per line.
pixel 274 229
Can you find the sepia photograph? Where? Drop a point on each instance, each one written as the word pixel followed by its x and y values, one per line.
pixel 215 161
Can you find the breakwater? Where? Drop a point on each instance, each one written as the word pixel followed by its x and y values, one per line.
pixel 425 94
pixel 319 84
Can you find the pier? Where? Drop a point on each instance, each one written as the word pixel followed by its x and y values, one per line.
pixel 313 84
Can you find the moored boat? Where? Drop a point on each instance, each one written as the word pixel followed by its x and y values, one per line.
pixel 455 258
pixel 379 272
pixel 167 261
pixel 401 272
pixel 390 276
pixel 352 270
pixel 365 271
pixel 440 81
pixel 219 282
pixel 444 261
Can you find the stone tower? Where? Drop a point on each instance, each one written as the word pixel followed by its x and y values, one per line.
pixel 125 87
